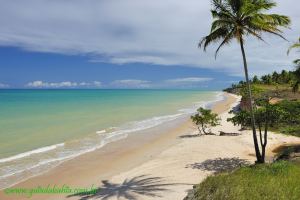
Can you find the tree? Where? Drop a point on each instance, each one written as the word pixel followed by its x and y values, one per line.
pixel 265 117
pixel 242 118
pixel 235 19
pixel 267 79
pixel 206 119
pixel 275 77
pixel 255 80
pixel 284 77
pixel 296 83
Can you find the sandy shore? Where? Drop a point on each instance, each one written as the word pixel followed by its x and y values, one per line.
pixel 161 165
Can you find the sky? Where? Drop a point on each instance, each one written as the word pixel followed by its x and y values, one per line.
pixel 127 44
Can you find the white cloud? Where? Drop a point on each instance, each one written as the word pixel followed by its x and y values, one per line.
pixel 97 83
pixel 65 84
pixel 122 31
pixel 84 84
pixel 185 82
pixel 92 84
pixel 3 85
pixel 188 80
pixel 131 83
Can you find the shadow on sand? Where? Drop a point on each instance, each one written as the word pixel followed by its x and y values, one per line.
pixel 222 133
pixel 190 136
pixel 129 189
pixel 219 164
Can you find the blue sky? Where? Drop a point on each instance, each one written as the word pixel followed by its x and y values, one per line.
pixel 126 44
pixel 19 67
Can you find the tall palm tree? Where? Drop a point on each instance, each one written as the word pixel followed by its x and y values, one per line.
pixel 296 84
pixel 236 19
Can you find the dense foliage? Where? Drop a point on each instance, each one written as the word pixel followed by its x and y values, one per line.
pixel 271 115
pixel 284 78
pixel 290 124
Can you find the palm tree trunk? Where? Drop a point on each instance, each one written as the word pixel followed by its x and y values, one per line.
pixel 257 151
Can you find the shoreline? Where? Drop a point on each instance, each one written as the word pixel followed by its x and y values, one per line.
pixel 116 154
pixel 49 157
pixel 172 156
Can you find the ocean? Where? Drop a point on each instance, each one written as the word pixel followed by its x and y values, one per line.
pixel 39 129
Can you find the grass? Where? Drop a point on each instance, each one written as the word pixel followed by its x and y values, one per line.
pixel 280 181
pixel 283 91
pixel 289 130
pixel 273 86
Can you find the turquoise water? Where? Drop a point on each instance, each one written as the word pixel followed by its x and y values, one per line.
pixel 38 127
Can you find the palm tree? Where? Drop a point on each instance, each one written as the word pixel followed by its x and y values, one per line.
pixel 235 19
pixel 296 84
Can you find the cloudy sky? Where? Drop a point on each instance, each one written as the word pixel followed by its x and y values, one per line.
pixel 126 44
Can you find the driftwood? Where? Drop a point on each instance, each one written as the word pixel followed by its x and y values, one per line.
pixel 228 134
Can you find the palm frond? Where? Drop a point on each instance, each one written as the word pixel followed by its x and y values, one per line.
pixel 220 23
pixel 221 6
pixel 239 18
pixel 226 40
pixel 297 62
pixel 236 5
pixel 268 23
pixel 214 36
pixel 294 46
pixel 255 34
pixel 256 6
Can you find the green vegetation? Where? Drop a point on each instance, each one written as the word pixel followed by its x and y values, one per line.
pixel 278 91
pixel 291 123
pixel 236 19
pixel 206 119
pixel 272 103
pixel 282 81
pixel 277 181
pixel 297 62
pixel 266 116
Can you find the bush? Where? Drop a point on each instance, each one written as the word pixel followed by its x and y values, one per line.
pixel 206 119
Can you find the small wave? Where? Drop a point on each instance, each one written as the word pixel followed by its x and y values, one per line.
pixel 101 132
pixel 88 145
pixel 46 163
pixel 146 124
pixel 108 130
pixel 28 153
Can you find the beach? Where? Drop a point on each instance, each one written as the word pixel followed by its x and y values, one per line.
pixel 157 164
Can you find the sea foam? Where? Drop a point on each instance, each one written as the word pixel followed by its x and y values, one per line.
pixel 28 153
